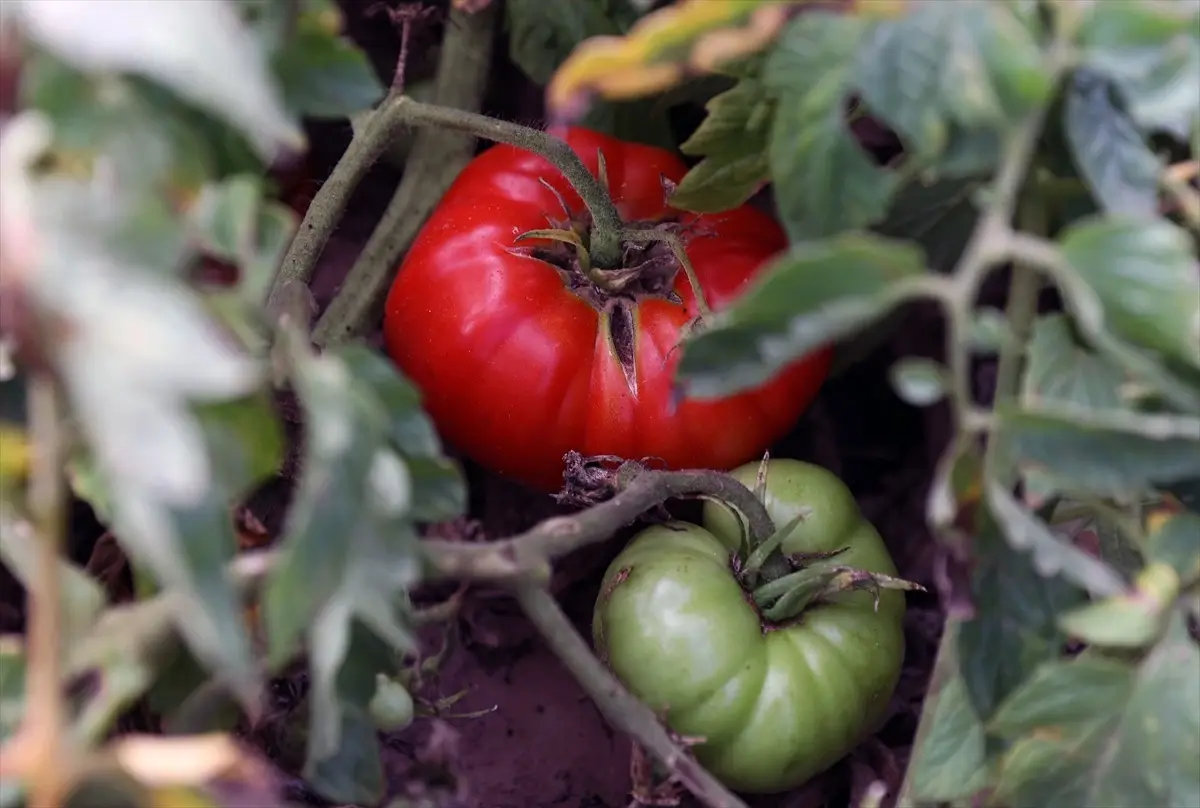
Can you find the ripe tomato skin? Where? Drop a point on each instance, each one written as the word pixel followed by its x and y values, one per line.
pixel 516 370
pixel 776 708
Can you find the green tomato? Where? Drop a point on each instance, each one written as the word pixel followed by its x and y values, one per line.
pixel 775 704
pixel 392 708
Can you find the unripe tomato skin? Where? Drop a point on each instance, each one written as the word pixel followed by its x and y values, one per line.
pixel 516 369
pixel 776 707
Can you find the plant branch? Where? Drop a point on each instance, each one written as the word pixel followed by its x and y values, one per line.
pixel 529 554
pixel 375 137
pixel 990 244
pixel 434 162
pixel 44 719
pixel 624 711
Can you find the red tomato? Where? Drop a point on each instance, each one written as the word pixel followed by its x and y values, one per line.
pixel 516 369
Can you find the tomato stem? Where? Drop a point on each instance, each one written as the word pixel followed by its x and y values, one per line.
pixel 760 556
pixel 676 244
pixel 787 597
pixel 607 226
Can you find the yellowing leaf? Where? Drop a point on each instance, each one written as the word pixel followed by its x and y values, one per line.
pixel 659 51
pixel 14 453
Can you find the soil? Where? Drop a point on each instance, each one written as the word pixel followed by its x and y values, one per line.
pixel 543 743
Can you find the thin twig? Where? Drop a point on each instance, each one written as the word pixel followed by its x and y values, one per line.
pixel 328 205
pixel 45 715
pixel 624 711
pixel 528 556
pixel 434 162
pixel 374 139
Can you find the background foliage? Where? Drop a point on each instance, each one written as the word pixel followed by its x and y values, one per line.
pixel 1053 141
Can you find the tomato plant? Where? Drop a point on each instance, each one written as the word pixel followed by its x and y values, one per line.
pixel 522 357
pixel 775 700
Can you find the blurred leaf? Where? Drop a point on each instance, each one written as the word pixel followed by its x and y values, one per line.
pixel 1187 491
pixel 120 117
pixel 990 331
pixel 956 489
pixel 139 357
pixel 236 224
pixel 12 685
pixel 813 295
pixel 918 381
pixel 1116 548
pixel 1127 621
pixel 1145 273
pixel 351 552
pixel 1060 370
pixel 202 51
pixel 948 761
pixel 542 35
pixel 823 180
pixel 1175 541
pixel 732 142
pixel 121 671
pixel 1110 454
pixel 1109 151
pixel 971 64
pixel 1152 52
pixel 321 73
pixel 352 771
pixel 1094 731
pixel 969 153
pixel 661 49
pixel 1063 692
pixel 1050 555
pixel 82 599
pixel 12 708
pixel 938 215
pixel 1014 628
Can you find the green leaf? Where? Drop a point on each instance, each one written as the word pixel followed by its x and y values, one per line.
pixel 1014 628
pixel 201 51
pixel 1063 692
pixel 542 35
pixel 939 64
pixel 322 74
pixel 1128 621
pixel 168 469
pixel 948 761
pixel 918 381
pixel 1176 543
pixel 1108 454
pixel 352 771
pixel 815 294
pixel 12 685
pixel 12 708
pixel 937 215
pixel 1049 554
pixel 1152 52
pixel 823 180
pixel 1060 370
pixel 1109 151
pixel 350 552
pixel 1144 272
pixel 732 140
pixel 1088 733
pixel 81 598
pixel 235 223
pixel 120 117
